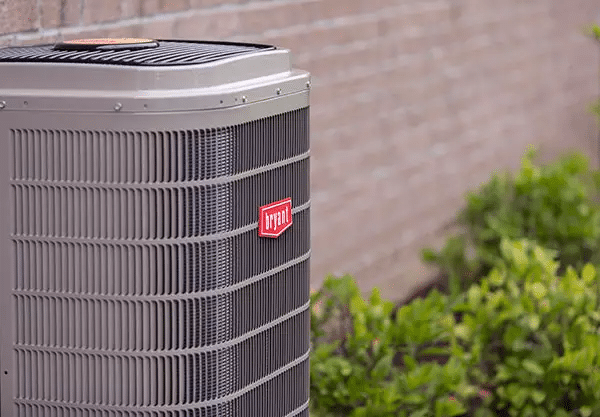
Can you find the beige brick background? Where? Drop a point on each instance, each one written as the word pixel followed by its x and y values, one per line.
pixel 413 101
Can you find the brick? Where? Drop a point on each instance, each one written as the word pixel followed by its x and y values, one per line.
pixel 50 14
pixel 207 4
pixel 18 16
pixel 105 11
pixel 294 42
pixel 161 29
pixel 332 9
pixel 215 26
pixel 173 5
pixel 86 34
pixel 340 118
pixel 360 257
pixel 149 7
pixel 334 65
pixel 70 13
pixel 152 7
pixel 122 32
pixel 399 273
pixel 190 28
pixel 261 17
pixel 337 34
pixel 131 8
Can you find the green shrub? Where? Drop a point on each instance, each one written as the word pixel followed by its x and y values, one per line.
pixel 595 32
pixel 521 342
pixel 552 205
pixel 533 336
pixel 354 366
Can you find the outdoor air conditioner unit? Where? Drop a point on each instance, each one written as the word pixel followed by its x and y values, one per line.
pixel 154 230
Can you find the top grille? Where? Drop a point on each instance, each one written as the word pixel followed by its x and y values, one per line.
pixel 167 53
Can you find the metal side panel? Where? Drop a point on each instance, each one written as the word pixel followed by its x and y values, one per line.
pixel 133 281
pixel 53 117
pixel 7 271
pixel 134 98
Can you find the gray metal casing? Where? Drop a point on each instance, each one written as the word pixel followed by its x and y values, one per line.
pixel 119 187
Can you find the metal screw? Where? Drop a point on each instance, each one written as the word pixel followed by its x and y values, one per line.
pixel 118 107
pixel 244 99
pixel 278 91
pixel 2 104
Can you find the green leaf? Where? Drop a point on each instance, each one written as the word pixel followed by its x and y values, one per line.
pixel 594 315
pixel 503 374
pixel 538 396
pixel 428 255
pixel 538 290
pixel 517 395
pixel 511 335
pixel 534 322
pixel 462 331
pixel 375 297
pixel 449 407
pixel 409 362
pixel 588 273
pixel 585 411
pixel 541 412
pixel 383 367
pixel 533 367
pixel 420 413
pixel 484 412
pixel 414 398
pixel 496 278
pixel 359 412
pixel 447 321
pixel 474 296
pixel 345 368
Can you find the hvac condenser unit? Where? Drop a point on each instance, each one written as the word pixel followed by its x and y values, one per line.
pixel 154 230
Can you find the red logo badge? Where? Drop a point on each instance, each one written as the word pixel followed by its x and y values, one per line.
pixel 275 218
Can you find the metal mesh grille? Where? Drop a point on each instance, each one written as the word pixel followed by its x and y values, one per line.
pixel 45 264
pixel 61 320
pixel 168 53
pixel 131 212
pixel 142 291
pixel 166 379
pixel 157 157
pixel 278 397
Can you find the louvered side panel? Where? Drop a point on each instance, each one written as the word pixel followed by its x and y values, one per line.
pixel 141 287
pixel 158 157
pixel 285 395
pixel 56 320
pixel 46 264
pixel 124 379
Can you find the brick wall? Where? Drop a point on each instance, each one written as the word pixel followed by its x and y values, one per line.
pixel 413 101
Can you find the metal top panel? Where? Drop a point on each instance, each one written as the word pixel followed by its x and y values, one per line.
pixel 41 71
